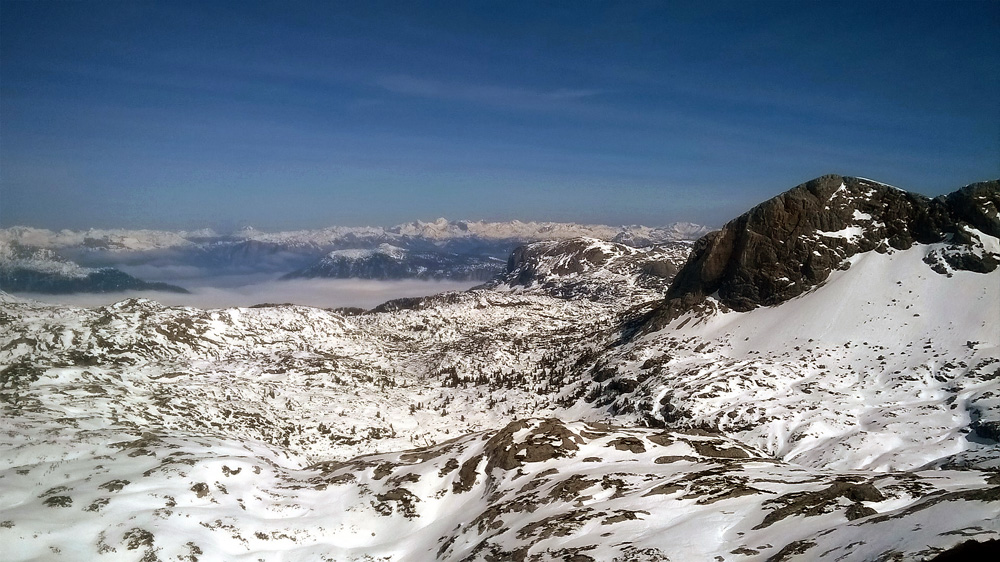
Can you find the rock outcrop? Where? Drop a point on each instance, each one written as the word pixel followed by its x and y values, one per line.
pixel 791 243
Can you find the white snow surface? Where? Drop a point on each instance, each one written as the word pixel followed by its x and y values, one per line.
pixel 870 371
pixel 838 426
pixel 848 233
pixel 389 250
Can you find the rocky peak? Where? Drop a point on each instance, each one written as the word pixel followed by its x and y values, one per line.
pixel 561 258
pixel 792 242
pixel 978 205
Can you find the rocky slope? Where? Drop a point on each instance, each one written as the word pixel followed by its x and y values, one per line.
pixel 533 490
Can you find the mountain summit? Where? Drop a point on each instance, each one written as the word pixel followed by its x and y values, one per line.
pixel 791 243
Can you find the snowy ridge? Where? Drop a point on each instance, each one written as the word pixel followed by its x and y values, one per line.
pixel 443 229
pixel 356 254
pixel 392 262
pixel 13 256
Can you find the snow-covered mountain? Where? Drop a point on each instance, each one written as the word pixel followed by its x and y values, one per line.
pixel 854 419
pixel 41 270
pixel 392 262
pixel 120 240
pixel 443 229
pixel 789 244
pixel 461 250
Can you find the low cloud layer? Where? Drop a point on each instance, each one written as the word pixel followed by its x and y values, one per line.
pixel 324 293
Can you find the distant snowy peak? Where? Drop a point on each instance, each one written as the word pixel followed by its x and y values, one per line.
pixel 103 239
pixel 42 260
pixel 443 229
pixel 387 250
pixel 639 236
pixel 439 231
pixel 792 242
pixel 319 238
pixel 387 262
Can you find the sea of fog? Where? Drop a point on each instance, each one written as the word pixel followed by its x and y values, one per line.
pixel 221 292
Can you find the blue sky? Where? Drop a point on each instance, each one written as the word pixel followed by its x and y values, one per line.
pixel 295 115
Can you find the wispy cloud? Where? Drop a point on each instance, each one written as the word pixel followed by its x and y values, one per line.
pixel 487 94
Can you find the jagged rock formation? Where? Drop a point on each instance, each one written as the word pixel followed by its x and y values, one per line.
pixel 791 243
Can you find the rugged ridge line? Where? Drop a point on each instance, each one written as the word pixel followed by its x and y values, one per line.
pixel 791 243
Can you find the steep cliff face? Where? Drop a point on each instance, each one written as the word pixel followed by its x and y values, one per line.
pixel 978 205
pixel 791 243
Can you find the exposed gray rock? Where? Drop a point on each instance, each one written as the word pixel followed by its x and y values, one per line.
pixel 792 242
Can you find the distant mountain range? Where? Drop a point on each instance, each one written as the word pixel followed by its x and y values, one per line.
pixel 343 237
pixel 442 249
pixel 392 262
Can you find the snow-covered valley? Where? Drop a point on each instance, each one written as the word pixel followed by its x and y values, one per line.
pixel 574 409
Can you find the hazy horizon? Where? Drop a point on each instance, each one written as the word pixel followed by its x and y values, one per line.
pixel 224 230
